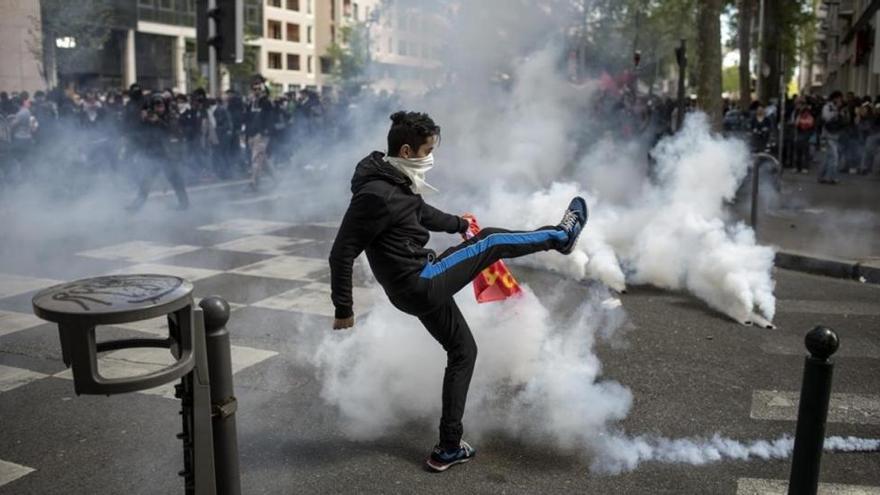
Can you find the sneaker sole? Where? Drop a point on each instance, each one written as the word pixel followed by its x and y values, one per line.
pixel 571 246
pixel 439 468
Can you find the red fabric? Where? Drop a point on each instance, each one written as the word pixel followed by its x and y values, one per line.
pixel 495 283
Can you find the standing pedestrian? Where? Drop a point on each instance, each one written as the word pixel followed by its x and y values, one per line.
pixel 833 124
pixel 259 124
pixel 159 131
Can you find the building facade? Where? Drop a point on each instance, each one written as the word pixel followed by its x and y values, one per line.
pixel 402 46
pixel 19 29
pixel 849 50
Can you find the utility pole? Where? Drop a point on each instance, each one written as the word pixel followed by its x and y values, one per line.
pixel 681 58
pixel 212 48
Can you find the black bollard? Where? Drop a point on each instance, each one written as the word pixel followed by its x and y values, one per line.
pixel 809 437
pixel 224 404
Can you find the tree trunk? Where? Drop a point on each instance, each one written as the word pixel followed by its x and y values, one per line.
pixel 744 35
pixel 772 40
pixel 709 61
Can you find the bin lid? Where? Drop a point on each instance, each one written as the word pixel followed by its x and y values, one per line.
pixel 113 299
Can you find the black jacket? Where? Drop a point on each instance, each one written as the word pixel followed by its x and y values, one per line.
pixel 392 224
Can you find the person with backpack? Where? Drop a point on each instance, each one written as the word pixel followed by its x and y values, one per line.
pixel 804 127
pixel 833 125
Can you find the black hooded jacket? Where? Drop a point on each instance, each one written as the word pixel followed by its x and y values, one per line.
pixel 392 224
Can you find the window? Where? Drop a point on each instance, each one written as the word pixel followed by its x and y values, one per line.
pixel 293 32
pixel 401 47
pixel 309 6
pixel 274 3
pixel 390 45
pixel 293 5
pixel 273 29
pixel 326 65
pixel 346 8
pixel 333 34
pixel 310 65
pixel 146 3
pixel 309 35
pixel 293 61
pixel 274 60
pixel 165 5
pixel 354 11
pixel 332 9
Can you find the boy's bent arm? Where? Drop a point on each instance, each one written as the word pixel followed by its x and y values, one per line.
pixel 366 217
pixel 438 221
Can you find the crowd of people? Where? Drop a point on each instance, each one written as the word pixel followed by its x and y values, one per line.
pixel 190 138
pixel 139 133
pixel 837 134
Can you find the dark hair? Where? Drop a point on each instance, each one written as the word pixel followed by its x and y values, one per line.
pixel 412 128
pixel 835 94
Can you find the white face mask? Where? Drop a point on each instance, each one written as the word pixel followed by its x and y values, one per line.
pixel 415 169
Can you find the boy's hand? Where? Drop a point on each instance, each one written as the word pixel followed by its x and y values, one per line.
pixel 343 323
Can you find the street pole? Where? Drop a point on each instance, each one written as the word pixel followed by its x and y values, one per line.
pixel 815 396
pixel 681 58
pixel 760 77
pixel 212 50
pixel 782 95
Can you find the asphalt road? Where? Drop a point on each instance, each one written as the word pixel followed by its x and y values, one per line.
pixel 692 372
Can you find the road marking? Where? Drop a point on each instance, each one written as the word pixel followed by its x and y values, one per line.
pixel 184 272
pixel 246 226
pixel 793 345
pixel 10 471
pixel 315 299
pixel 753 486
pixel 262 244
pixel 11 378
pixel 141 361
pixel 287 267
pixel 11 322
pixel 12 285
pixel 137 251
pixel 843 408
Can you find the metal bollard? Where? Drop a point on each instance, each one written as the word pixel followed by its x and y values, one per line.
pixel 809 437
pixel 224 404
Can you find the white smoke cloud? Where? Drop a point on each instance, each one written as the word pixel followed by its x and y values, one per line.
pixel 617 453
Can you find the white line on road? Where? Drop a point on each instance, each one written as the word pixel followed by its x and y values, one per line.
pixel 844 408
pixel 753 486
pixel 11 378
pixel 10 471
pixel 11 322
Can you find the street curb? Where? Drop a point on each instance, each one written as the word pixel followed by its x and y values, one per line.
pixel 850 270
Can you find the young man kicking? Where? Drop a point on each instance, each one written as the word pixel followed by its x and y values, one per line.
pixel 388 219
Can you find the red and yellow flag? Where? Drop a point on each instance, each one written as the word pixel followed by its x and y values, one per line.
pixel 495 283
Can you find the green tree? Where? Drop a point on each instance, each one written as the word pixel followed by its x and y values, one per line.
pixel 348 59
pixel 85 25
pixel 730 80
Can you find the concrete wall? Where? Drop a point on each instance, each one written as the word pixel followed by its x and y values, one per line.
pixel 19 69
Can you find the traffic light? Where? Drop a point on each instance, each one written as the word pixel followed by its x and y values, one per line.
pixel 228 39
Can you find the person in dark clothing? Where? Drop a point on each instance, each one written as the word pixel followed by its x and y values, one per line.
pixel 158 130
pixel 388 219
pixel 761 126
pixel 259 125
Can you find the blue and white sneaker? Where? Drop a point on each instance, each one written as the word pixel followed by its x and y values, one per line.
pixel 573 223
pixel 442 459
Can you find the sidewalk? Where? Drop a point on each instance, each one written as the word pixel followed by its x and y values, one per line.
pixel 828 229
